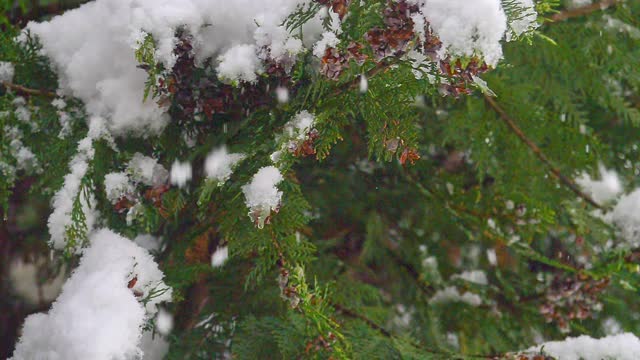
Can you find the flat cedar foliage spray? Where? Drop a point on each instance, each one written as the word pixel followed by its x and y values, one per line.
pixel 320 179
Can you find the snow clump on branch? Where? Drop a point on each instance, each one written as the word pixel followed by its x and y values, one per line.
pixel 101 311
pixel 262 195
pixel 620 347
pixel 219 164
pixel 92 48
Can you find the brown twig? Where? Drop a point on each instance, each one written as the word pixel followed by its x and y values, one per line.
pixel 22 90
pixel 380 67
pixel 352 314
pixel 36 12
pixel 426 289
pixel 366 320
pixel 583 10
pixel 568 182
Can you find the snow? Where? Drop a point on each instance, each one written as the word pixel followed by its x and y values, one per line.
pixel 607 188
pixel 275 41
pixel 26 280
pixel 572 4
pixel 98 315
pixel 25 159
pixel 6 71
pixel 148 242
pixel 620 347
pixel 451 294
pixel 59 103
pixel 474 276
pixel 329 40
pixel 626 217
pixel 147 170
pixel 180 173
pixel 492 257
pixel 240 63
pixel 524 22
pixel 468 27
pixel 611 326
pixel 364 83
pixel 92 48
pixel 117 185
pixel 219 164
pixel 262 195
pixel 282 94
pixel 164 322
pixel 220 256
pixel 153 346
pixel 300 125
pixel 60 219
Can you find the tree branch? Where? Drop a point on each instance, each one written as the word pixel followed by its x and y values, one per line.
pixel 567 181
pixel 426 289
pixel 583 10
pixel 366 320
pixel 27 91
pixel 352 314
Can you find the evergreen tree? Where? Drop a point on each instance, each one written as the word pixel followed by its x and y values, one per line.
pixel 321 179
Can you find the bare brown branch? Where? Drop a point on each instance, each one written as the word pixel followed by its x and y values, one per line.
pixel 565 180
pixel 583 10
pixel 22 90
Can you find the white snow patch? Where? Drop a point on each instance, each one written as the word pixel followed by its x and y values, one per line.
pixel 364 84
pixel 620 347
pixel 60 219
pixel 262 194
pixel 526 21
pixel 117 185
pixel 164 322
pixel 474 276
pixel 219 164
pixel 98 315
pixel 468 27
pixel 147 170
pixel 451 294
pixel 220 256
pixel 329 40
pixel 92 48
pixel 240 63
pixel 6 71
pixel 282 94
pixel 300 125
pixel 148 242
pixel 607 188
pixel 180 173
pixel 626 217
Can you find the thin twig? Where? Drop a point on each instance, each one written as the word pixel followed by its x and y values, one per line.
pixel 583 10
pixel 380 67
pixel 22 90
pixel 355 315
pixel 567 181
pixel 426 289
pixel 352 314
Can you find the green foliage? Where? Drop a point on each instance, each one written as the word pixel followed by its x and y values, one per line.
pixel 348 266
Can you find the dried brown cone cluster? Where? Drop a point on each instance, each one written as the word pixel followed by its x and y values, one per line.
pixel 288 292
pixel 153 195
pixel 460 76
pixel 320 343
pixel 396 38
pixel 339 7
pixel 334 61
pixel 393 39
pixel 572 298
pixel 190 91
pixel 305 148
